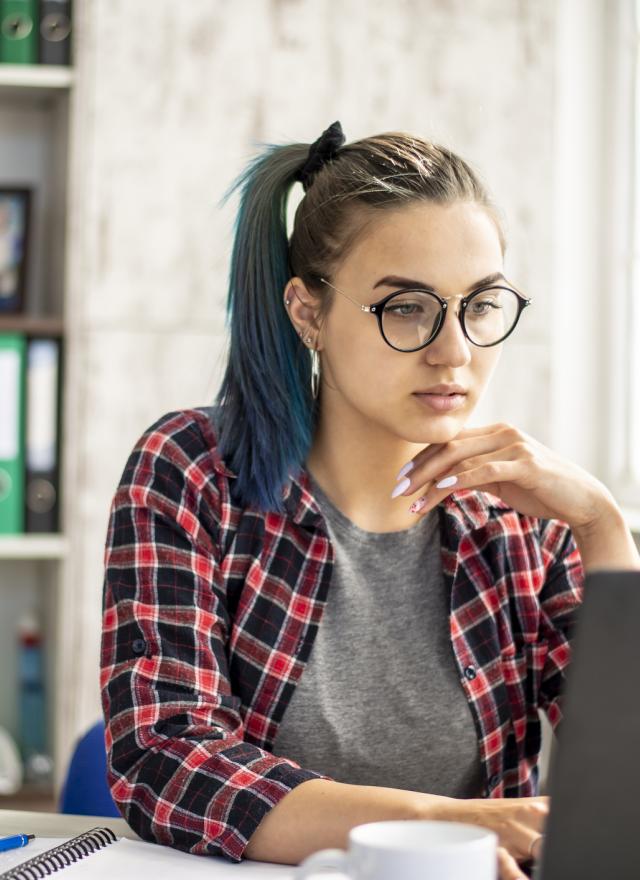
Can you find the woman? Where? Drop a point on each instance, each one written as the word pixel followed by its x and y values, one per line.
pixel 263 537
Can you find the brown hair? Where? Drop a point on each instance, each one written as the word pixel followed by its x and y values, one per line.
pixel 384 171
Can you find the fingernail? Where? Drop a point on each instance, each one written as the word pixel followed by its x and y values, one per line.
pixel 418 505
pixel 404 484
pixel 448 481
pixel 405 470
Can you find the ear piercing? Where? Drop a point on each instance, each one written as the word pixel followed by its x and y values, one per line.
pixel 308 339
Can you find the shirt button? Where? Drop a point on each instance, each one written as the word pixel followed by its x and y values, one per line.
pixel 138 646
pixel 495 779
pixel 470 672
pixel 299 646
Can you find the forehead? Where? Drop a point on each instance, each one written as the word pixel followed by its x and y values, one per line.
pixel 443 245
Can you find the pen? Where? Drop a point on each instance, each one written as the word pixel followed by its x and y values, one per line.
pixel 15 842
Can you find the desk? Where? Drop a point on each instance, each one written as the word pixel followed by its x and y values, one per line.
pixel 58 824
pixel 159 862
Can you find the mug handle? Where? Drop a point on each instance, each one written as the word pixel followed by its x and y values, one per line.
pixel 325 859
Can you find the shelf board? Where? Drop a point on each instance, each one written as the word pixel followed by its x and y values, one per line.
pixel 32 325
pixel 35 546
pixel 41 76
pixel 38 798
pixel 36 80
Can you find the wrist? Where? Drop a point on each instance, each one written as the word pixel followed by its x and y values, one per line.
pixel 607 542
pixel 442 809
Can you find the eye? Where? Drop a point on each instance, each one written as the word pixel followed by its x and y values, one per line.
pixel 404 309
pixel 483 307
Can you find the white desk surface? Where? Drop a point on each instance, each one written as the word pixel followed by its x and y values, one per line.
pixel 58 824
pixel 162 863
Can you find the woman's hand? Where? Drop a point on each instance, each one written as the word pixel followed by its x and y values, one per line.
pixel 518 822
pixel 510 464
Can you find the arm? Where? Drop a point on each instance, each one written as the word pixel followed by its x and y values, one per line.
pixel 320 813
pixel 569 554
pixel 560 599
pixel 179 768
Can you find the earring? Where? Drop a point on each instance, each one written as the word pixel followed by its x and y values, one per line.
pixel 315 373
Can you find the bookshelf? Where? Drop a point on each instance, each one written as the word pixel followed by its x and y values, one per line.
pixel 35 141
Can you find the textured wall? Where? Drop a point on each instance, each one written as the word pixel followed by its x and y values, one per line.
pixel 169 107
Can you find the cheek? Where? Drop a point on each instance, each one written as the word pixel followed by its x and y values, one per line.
pixel 363 365
pixel 483 364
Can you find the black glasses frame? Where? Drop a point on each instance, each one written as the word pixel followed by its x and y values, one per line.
pixel 377 310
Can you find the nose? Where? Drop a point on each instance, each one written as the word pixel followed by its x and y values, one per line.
pixel 450 346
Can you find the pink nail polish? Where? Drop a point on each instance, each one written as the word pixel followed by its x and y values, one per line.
pixel 418 504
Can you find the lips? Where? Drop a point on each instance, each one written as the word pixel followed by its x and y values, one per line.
pixel 443 390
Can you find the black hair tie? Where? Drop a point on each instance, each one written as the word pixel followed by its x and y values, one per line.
pixel 321 151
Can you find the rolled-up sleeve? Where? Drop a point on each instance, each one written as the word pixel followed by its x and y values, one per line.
pixel 560 599
pixel 179 768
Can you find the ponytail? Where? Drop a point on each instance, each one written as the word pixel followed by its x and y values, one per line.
pixel 266 425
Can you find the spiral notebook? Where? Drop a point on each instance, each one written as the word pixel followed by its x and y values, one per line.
pixel 101 855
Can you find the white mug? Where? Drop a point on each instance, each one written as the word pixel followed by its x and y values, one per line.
pixel 419 849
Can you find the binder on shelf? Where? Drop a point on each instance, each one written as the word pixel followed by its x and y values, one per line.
pixel 12 386
pixel 19 31
pixel 55 32
pixel 15 227
pixel 41 435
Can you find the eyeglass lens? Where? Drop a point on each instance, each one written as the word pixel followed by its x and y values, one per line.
pixel 411 318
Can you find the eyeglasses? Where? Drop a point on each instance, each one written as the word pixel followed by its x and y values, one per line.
pixel 411 319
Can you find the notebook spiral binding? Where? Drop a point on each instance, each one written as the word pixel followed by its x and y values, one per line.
pixel 59 857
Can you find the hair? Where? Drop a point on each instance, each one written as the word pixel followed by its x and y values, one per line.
pixel 269 415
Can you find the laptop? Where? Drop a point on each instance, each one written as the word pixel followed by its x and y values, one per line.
pixel 593 827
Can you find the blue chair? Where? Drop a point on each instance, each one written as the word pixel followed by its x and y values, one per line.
pixel 85 791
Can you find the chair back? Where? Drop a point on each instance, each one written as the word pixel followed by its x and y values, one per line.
pixel 85 791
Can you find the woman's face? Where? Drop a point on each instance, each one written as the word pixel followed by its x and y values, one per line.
pixel 447 247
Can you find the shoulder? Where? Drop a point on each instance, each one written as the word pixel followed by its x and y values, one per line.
pixel 184 436
pixel 486 513
pixel 485 518
pixel 178 452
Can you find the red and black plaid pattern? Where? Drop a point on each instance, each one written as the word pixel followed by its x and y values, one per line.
pixel 210 612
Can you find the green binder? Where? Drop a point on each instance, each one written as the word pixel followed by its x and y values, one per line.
pixel 19 31
pixel 13 349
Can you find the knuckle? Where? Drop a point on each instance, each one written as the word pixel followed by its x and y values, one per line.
pixel 524 449
pixel 511 432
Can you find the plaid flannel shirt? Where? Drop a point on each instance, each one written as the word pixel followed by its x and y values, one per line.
pixel 209 616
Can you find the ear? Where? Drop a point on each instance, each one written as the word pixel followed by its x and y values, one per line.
pixel 302 306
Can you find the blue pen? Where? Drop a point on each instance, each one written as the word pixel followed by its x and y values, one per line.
pixel 15 842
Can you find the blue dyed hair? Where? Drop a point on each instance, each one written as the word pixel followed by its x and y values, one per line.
pixel 268 415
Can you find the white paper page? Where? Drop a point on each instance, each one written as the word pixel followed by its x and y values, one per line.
pixel 16 856
pixel 133 859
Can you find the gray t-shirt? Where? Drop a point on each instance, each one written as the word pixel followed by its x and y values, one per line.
pixel 379 701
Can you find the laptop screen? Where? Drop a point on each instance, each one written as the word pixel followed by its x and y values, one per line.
pixel 593 826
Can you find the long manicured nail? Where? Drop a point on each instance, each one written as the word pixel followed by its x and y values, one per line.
pixel 418 504
pixel 400 488
pixel 448 481
pixel 405 470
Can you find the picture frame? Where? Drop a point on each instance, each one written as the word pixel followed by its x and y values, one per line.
pixel 15 228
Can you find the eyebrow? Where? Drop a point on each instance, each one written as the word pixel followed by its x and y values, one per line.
pixel 399 281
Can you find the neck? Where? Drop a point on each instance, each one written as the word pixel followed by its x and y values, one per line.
pixel 356 462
